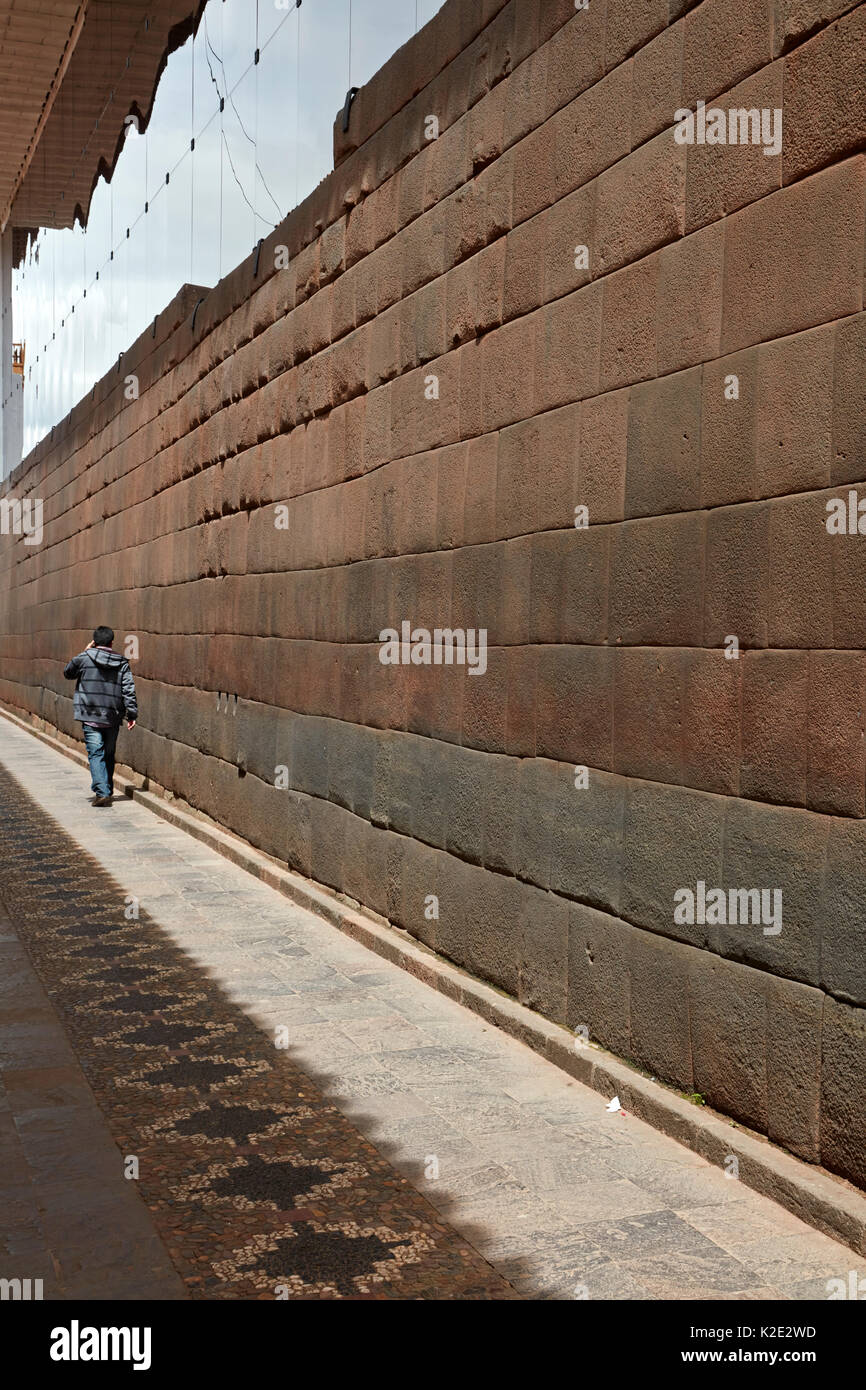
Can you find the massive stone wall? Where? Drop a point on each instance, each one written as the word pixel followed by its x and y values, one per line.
pixel 395 417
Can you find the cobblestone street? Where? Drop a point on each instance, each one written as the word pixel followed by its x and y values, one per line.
pixel 396 1147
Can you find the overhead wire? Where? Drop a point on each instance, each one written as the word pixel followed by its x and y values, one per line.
pixel 118 287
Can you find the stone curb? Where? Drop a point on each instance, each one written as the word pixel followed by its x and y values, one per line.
pixel 829 1204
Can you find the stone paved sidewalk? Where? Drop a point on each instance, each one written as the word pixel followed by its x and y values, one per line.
pixel 524 1165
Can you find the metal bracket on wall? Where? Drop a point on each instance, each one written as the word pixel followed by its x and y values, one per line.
pixel 194 312
pixel 350 97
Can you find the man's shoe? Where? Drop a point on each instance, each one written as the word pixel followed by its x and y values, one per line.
pixel 102 801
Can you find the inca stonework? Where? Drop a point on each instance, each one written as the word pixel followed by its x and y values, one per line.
pixel 556 376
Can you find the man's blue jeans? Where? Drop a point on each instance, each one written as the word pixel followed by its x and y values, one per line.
pixel 100 745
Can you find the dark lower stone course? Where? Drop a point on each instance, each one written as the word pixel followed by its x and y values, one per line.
pixel 619 844
pixel 731 1012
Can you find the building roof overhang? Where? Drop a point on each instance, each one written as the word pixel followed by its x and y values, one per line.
pixel 71 72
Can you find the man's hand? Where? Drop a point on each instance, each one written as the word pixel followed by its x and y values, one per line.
pixel 89 645
pixel 130 723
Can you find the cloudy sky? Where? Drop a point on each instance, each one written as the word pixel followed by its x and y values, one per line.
pixel 251 164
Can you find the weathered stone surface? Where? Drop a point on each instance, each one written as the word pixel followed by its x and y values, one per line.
pixel 794 1019
pixel 843 1090
pixel 586 845
pixel 728 1005
pixel 843 915
pixel 672 838
pixel 599 978
pixel 542 926
pixel 660 1007
pixel 557 377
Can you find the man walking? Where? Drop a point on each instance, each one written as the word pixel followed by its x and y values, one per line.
pixel 104 696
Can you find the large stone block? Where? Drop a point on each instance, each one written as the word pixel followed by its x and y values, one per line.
pixel 794 1016
pixel 268 828
pixel 575 705
pixel 567 346
pixel 500 811
pixel 848 584
pixel 257 732
pixel 659 1004
pixel 476 586
pixel 520 730
pixel 310 756
pixel 795 416
pixel 524 268
pixel 722 47
pixel 795 258
pixel 843 1091
pixel 603 453
pixel 599 980
pixel 458 883
pixel 673 838
pixel 586 843
pixel 641 202
pixel 480 491
pixel 463 775
pixel 658 69
pixel 842 914
pixel 689 321
pixel 824 116
pixel 386 853
pixel 351 764
pixel 519 463
pixel 782 851
pixel 728 1005
pixel 327 838
pixel 711 731
pixel 539 780
pixel 576 49
pixel 534 169
pixel 663 468
pixel 354 882
pixel 716 183
pixel 419 902
pixel 485 704
pixel 593 131
pixel 542 927
pixel 569 585
pixel 774 723
pixel 507 355
pixel 483 932
pixel 737 577
pixel 837 754
pixel 849 406
pixel 648 714
pixel 802 570
pixel 657 580
pixel 630 26
pixel 567 225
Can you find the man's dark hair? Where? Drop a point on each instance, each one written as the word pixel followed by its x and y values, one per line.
pixel 103 636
